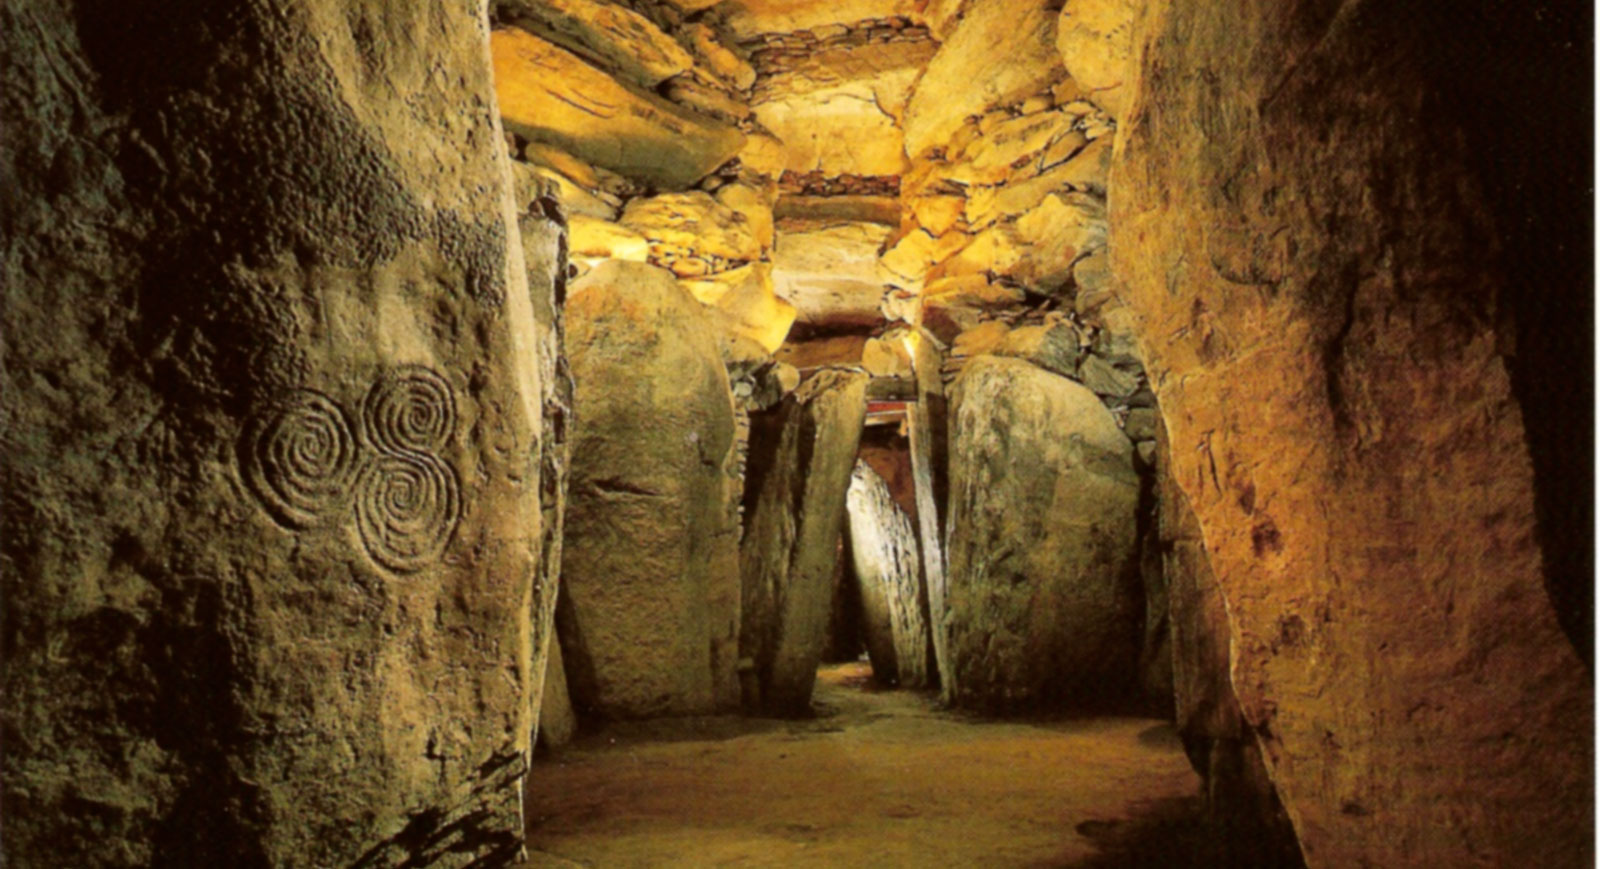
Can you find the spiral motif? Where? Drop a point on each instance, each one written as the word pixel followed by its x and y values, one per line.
pixel 406 509
pixel 299 457
pixel 410 410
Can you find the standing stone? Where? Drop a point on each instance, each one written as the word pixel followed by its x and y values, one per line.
pixel 927 435
pixel 652 534
pixel 271 477
pixel 1043 598
pixel 1335 379
pixel 1248 820
pixel 791 543
pixel 557 722
pixel 888 572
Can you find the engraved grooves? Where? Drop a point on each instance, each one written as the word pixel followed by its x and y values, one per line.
pixel 300 457
pixel 407 507
pixel 304 460
pixel 409 410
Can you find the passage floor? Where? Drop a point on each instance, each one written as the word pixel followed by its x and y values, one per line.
pixel 878 778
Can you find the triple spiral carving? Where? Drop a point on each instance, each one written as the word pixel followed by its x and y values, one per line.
pixel 310 466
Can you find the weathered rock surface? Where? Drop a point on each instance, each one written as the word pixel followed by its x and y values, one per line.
pixel 548 94
pixel 1043 582
pixel 888 573
pixel 1321 321
pixel 622 40
pixel 791 536
pixel 832 273
pixel 557 722
pixel 1095 38
pixel 692 233
pixel 650 557
pixel 271 477
pixel 999 52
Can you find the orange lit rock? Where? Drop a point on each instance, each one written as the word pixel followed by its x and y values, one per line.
pixel 549 95
pixel 1318 305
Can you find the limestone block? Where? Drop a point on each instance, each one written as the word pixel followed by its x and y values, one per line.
pixel 912 255
pixel 711 100
pixel 888 575
pixel 755 311
pixel 998 52
pixel 840 129
pixel 724 63
pixel 810 212
pixel 833 273
pixel 989 158
pixel 272 469
pixel 791 538
pixel 938 214
pixel 1053 347
pixel 981 339
pixel 622 41
pixel 749 18
pixel 592 240
pixel 651 539
pixel 886 356
pixel 1085 172
pixel 764 154
pixel 1095 38
pixel 546 94
pixel 1043 583
pixel 695 223
pixel 755 205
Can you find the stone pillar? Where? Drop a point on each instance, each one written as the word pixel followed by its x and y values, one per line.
pixel 888 572
pixel 790 544
pixel 1299 228
pixel 927 433
pixel 272 473
pixel 1043 601
pixel 652 536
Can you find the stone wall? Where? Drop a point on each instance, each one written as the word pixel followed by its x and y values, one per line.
pixel 272 474
pixel 1322 321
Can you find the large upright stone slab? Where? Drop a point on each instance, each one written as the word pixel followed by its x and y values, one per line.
pixel 271 476
pixel 650 559
pixel 1325 326
pixel 791 538
pixel 1043 587
pixel 888 573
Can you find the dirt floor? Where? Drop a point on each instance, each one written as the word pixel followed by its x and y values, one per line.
pixel 878 778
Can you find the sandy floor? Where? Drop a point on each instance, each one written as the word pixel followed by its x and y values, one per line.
pixel 879 778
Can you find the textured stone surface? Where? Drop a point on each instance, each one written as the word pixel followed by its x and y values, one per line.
pixel 1319 310
pixel 549 95
pixel 650 558
pixel 624 41
pixel 557 722
pixel 888 572
pixel 271 477
pixel 999 52
pixel 1043 583
pixel 832 273
pixel 791 535
pixel 1095 38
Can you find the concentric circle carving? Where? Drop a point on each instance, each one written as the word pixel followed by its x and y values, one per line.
pixel 300 455
pixel 406 509
pixel 410 410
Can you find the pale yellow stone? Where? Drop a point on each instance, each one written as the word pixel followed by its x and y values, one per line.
pixel 885 357
pixel 840 130
pixel 795 211
pixel 764 154
pixel 756 311
pixel 592 239
pixel 989 159
pixel 622 40
pixel 980 339
pixel 916 251
pixel 1085 172
pixel 938 214
pixel 548 95
pixel 718 57
pixel 748 18
pixel 1095 38
pixel 707 99
pixel 710 289
pixel 755 205
pixel 833 273
pixel 694 222
pixel 1000 52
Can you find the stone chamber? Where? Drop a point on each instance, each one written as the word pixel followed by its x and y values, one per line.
pixel 796 432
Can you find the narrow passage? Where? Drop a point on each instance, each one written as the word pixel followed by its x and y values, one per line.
pixel 878 778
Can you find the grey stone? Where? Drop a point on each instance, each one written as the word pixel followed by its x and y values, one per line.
pixel 790 543
pixel 1043 571
pixel 1103 378
pixel 888 573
